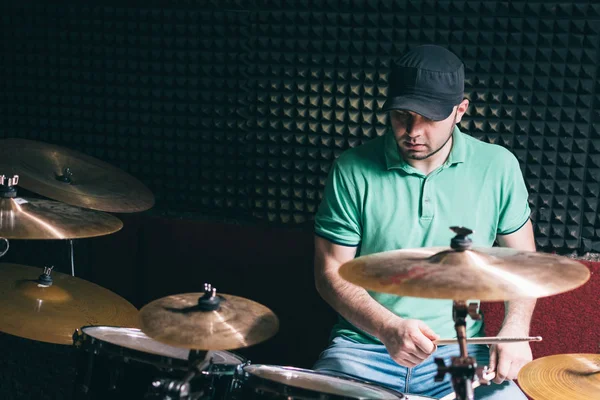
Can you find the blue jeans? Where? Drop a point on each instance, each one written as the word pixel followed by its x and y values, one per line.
pixel 371 362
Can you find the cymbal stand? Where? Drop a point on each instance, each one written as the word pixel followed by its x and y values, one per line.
pixel 178 389
pixel 463 368
pixel 7 191
pixel 72 257
pixel 66 177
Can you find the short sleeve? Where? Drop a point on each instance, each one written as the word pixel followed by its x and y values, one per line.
pixel 514 203
pixel 337 218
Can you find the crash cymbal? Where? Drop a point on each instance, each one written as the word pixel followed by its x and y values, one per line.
pixel 562 377
pixel 72 177
pixel 487 274
pixel 182 320
pixel 30 218
pixel 52 313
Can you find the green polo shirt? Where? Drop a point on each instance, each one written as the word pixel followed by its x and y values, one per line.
pixel 376 201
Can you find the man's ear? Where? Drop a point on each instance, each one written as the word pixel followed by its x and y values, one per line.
pixel 461 109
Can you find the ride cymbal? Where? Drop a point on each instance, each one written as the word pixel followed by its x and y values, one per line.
pixel 29 218
pixel 53 313
pixel 72 177
pixel 207 321
pixel 562 377
pixel 487 274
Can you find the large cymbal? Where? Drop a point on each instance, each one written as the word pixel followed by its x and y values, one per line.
pixel 177 320
pixel 562 377
pixel 29 218
pixel 489 274
pixel 93 184
pixel 51 314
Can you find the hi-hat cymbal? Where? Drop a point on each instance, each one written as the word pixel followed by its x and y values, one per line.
pixel 487 274
pixel 53 313
pixel 562 377
pixel 179 321
pixel 29 218
pixel 72 177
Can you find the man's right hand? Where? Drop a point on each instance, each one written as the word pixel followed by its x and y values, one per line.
pixel 409 341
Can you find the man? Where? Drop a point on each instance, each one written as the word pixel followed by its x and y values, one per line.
pixel 405 190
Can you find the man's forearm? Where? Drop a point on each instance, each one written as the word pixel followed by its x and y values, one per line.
pixel 355 305
pixel 518 315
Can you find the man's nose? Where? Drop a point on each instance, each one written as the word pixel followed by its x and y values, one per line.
pixel 415 127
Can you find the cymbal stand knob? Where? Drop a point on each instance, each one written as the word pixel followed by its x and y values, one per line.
pixel 45 279
pixel 209 301
pixel 7 190
pixel 461 241
pixel 66 176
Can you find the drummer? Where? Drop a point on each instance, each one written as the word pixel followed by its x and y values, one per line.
pixel 404 190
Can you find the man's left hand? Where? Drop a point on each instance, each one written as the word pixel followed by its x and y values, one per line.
pixel 507 359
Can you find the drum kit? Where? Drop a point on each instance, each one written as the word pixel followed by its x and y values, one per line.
pixel 181 346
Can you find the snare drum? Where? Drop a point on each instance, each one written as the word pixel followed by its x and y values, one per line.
pixel 117 363
pixel 276 382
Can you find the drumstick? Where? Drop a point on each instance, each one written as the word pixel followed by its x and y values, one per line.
pixel 490 340
pixel 487 377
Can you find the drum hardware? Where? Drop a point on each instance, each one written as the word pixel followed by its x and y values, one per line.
pixel 167 389
pixel 127 363
pixel 202 322
pixel 171 389
pixel 7 186
pixel 72 257
pixel 462 272
pixel 462 369
pixel 72 177
pixel 207 321
pixel 66 177
pixel 45 280
pixel 485 380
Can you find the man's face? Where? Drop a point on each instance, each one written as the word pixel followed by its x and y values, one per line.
pixel 418 137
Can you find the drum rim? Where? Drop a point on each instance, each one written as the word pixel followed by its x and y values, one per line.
pixel 87 342
pixel 83 339
pixel 247 375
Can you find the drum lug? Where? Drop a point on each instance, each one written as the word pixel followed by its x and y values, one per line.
pixel 77 338
pixel 171 389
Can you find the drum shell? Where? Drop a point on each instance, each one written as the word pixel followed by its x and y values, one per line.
pixel 106 369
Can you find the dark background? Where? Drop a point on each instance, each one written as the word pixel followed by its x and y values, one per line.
pixel 232 112
pixel 237 108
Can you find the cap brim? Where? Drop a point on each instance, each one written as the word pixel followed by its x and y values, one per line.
pixel 426 107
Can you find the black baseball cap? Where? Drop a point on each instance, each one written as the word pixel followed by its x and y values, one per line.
pixel 428 80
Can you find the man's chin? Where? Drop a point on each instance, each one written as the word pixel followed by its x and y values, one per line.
pixel 416 155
